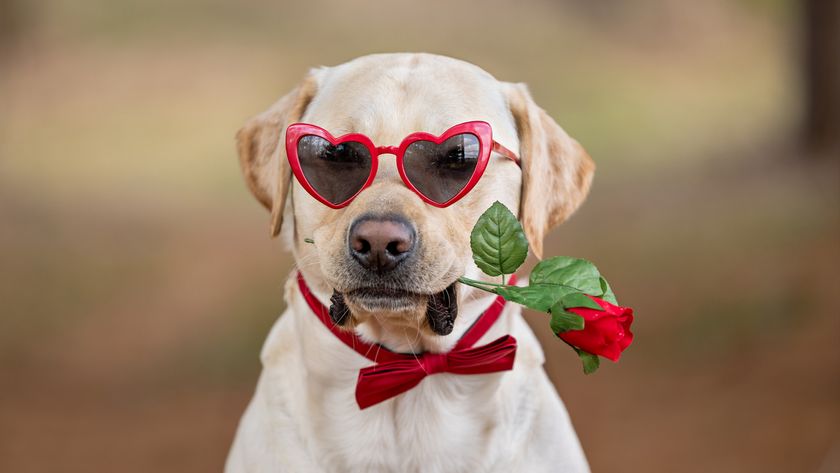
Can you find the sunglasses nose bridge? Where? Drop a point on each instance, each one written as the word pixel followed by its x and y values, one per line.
pixel 387 150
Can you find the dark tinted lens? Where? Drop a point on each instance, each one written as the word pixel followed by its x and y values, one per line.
pixel 335 172
pixel 441 171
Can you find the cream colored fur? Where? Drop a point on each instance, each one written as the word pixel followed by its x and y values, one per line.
pixel 303 417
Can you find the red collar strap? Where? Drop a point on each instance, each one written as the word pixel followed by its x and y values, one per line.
pixel 396 373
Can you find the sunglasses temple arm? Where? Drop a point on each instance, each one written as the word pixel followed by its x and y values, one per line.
pixel 506 153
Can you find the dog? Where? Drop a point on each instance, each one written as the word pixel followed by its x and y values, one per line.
pixel 303 416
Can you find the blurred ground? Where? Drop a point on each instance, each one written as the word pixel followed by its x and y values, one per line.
pixel 138 281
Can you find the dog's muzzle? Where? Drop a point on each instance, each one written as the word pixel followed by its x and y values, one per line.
pixel 441 310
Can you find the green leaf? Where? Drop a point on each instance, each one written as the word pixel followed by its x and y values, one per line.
pixel 590 362
pixel 607 293
pixel 579 299
pixel 575 272
pixel 498 243
pixel 536 296
pixel 562 321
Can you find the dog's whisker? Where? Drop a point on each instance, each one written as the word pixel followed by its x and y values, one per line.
pixel 416 358
pixel 303 264
pixel 417 335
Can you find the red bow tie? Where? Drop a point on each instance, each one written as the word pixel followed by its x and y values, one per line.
pixel 396 373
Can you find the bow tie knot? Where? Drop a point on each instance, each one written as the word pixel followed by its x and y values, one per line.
pixel 436 362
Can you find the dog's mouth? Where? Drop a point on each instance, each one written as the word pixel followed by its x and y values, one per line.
pixel 382 294
pixel 441 308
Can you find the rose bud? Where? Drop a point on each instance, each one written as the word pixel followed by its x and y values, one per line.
pixel 606 332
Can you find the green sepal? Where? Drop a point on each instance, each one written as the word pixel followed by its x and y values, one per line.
pixel 579 299
pixel 590 362
pixel 562 321
pixel 607 293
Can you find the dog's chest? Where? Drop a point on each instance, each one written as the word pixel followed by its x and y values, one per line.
pixel 448 423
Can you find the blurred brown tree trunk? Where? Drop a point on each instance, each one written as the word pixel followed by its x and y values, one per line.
pixel 822 77
pixel 12 23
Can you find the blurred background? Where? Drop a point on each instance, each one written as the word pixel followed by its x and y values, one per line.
pixel 137 279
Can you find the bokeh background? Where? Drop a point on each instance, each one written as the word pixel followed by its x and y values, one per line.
pixel 137 279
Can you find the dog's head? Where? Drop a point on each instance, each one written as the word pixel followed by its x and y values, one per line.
pixel 392 259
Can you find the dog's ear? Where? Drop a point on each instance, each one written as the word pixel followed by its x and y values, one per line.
pixel 556 170
pixel 262 155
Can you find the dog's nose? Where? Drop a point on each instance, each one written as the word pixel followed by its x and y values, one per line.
pixel 380 244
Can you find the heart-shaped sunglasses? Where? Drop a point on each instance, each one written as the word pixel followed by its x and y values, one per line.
pixel 440 169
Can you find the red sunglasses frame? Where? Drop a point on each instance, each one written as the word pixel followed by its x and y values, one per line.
pixel 479 129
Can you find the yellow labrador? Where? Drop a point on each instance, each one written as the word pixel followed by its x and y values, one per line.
pixel 303 416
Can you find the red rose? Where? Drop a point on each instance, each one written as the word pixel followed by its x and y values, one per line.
pixel 606 332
